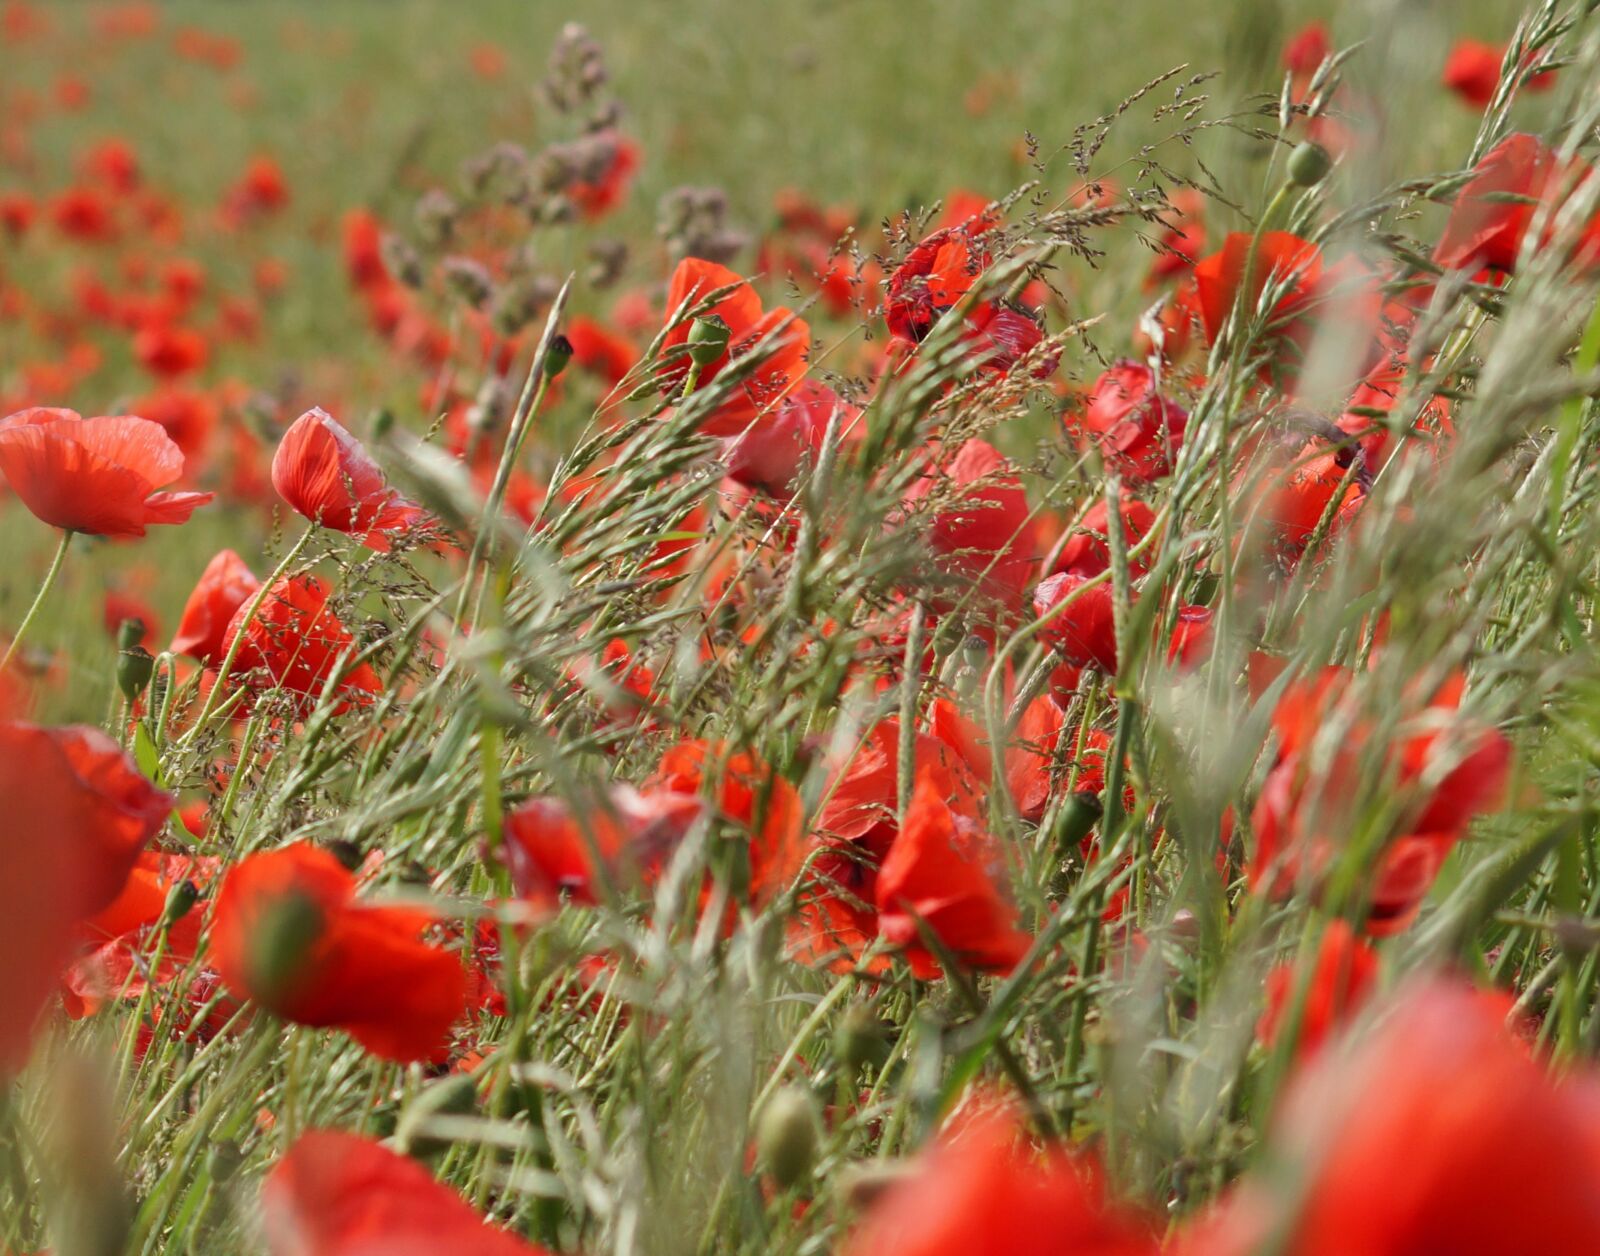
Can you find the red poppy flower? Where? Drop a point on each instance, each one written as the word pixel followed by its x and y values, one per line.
pixel 295 642
pixel 1290 499
pixel 170 351
pixel 94 475
pixel 1344 975
pixel 1137 428
pixel 1493 212
pixel 769 456
pixel 224 586
pixel 1087 551
pixel 113 163
pixel 983 1189
pixel 324 473
pixel 120 606
pixel 554 852
pixel 1085 632
pixel 288 933
pixel 748 325
pixel 1182 239
pixel 599 193
pixel 942 871
pixel 1472 71
pixel 1307 49
pixel 77 814
pixel 84 213
pixel 599 350
pixel 337 1194
pixel 17 214
pixel 261 189
pixel 1440 1134
pixel 982 533
pixel 937 275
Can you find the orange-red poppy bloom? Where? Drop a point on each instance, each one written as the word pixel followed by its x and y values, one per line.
pixel 77 814
pixel 296 643
pixel 324 473
pixel 337 1194
pixel 748 325
pixel 224 586
pixel 943 874
pixel 288 933
pixel 1137 428
pixel 984 1189
pixel 94 475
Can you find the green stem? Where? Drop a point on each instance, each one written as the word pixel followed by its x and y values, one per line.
pixel 38 599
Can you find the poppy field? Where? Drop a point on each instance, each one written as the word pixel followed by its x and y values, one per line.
pixel 797 629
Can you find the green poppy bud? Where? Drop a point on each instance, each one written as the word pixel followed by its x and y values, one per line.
pixel 135 665
pixel 181 899
pixel 708 339
pixel 557 356
pixel 787 1136
pixel 1309 164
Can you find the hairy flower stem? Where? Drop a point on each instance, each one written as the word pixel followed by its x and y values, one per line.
pixel 38 599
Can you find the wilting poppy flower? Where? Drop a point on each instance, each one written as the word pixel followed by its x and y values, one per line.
pixel 224 586
pixel 1085 632
pixel 288 933
pixel 1389 1159
pixel 77 814
pixel 938 274
pixel 94 475
pixel 337 1194
pixel 324 473
pixel 1137 429
pixel 981 532
pixel 1494 210
pixel 556 852
pixel 1343 975
pixel 942 874
pixel 748 325
pixel 600 191
pixel 983 1189
pixel 1087 551
pixel 295 642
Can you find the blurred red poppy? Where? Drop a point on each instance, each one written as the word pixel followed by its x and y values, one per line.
pixel 748 325
pixel 1307 49
pixel 599 350
pixel 288 933
pixel 296 643
pixel 983 1189
pixel 169 351
pixel 1344 974
pixel 335 1194
pixel 78 812
pixel 1087 551
pixel 1517 179
pixel 223 588
pixel 599 192
pixel 94 475
pixel 323 472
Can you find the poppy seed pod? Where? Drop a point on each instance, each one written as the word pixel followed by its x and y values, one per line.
pixel 708 339
pixel 787 1136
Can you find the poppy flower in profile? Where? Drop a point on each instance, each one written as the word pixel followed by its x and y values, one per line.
pixel 748 325
pixel 78 813
pixel 323 472
pixel 288 933
pixel 984 1189
pixel 1344 974
pixel 981 532
pixel 601 190
pixel 942 873
pixel 1493 212
pixel 1137 428
pixel 94 475
pixel 295 642
pixel 335 1194
pixel 224 586
pixel 1085 631
pixel 1439 1132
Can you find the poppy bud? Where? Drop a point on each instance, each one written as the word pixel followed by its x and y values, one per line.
pixel 223 1159
pixel 860 1038
pixel 708 339
pixel 1080 814
pixel 1309 164
pixel 135 665
pixel 285 935
pixel 451 1096
pixel 181 899
pixel 787 1136
pixel 382 423
pixel 557 356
